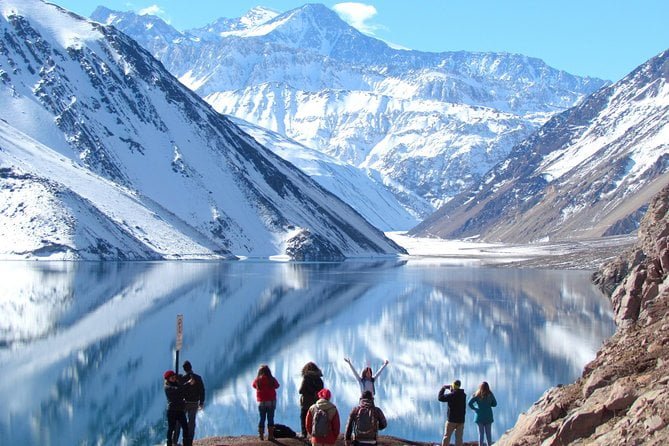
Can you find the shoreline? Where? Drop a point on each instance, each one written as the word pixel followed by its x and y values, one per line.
pixel 249 440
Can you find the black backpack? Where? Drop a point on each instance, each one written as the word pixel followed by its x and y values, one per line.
pixel 366 423
pixel 283 431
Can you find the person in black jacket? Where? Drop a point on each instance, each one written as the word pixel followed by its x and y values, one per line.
pixel 175 408
pixel 365 422
pixel 457 403
pixel 312 383
pixel 194 396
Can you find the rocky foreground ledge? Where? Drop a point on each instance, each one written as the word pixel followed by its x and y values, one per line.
pixel 253 441
pixel 623 396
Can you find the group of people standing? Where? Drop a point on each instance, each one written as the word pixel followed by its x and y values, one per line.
pixel 185 396
pixel 481 403
pixel 319 417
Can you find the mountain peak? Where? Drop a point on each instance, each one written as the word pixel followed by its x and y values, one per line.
pixel 257 16
pixel 131 22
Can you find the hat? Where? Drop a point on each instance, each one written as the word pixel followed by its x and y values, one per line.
pixel 324 394
pixel 187 366
pixel 168 374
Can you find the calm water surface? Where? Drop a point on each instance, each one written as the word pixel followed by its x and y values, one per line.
pixel 83 345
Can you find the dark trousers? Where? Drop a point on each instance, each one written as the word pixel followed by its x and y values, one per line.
pixel 303 419
pixel 174 417
pixel 191 415
pixel 266 411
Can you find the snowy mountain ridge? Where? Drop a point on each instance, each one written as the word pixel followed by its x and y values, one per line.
pixel 589 172
pixel 308 75
pixel 110 116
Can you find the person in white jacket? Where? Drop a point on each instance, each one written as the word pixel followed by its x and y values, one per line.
pixel 366 378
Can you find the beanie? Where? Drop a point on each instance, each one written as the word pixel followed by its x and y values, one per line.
pixel 168 373
pixel 324 394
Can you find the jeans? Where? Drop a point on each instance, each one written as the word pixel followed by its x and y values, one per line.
pixel 191 415
pixel 458 428
pixel 487 429
pixel 266 410
pixel 174 417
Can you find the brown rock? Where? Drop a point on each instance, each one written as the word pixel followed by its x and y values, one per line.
pixel 621 397
pixel 654 423
pixel 664 259
pixel 598 379
pixel 630 304
pixel 578 425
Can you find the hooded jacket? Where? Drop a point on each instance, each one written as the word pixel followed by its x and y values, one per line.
pixel 457 402
pixel 265 388
pixel 352 419
pixel 483 405
pixel 333 415
pixel 175 396
pixel 193 393
pixel 311 384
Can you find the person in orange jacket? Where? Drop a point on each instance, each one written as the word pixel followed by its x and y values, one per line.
pixel 323 420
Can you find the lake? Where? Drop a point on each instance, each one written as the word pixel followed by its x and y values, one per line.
pixel 83 346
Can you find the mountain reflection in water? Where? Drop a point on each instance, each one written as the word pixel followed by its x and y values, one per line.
pixel 84 345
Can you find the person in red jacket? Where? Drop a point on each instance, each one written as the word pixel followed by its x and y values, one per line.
pixel 323 420
pixel 266 385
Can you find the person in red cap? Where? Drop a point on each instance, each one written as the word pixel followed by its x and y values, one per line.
pixel 323 420
pixel 266 385
pixel 176 406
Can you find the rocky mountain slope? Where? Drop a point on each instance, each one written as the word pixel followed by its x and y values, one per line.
pixel 621 399
pixel 429 124
pixel 104 154
pixel 588 172
pixel 360 188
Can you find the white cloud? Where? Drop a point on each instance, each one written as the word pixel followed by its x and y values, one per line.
pixel 357 15
pixel 154 10
pixel 151 10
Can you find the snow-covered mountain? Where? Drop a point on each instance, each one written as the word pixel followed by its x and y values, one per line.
pixel 429 124
pixel 357 187
pixel 104 154
pixel 588 172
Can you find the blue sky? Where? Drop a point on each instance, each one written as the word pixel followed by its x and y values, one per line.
pixel 602 38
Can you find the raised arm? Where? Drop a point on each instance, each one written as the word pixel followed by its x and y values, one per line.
pixel 355 373
pixel 378 372
pixel 442 394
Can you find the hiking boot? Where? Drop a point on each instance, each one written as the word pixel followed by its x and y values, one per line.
pixel 270 433
pixel 261 432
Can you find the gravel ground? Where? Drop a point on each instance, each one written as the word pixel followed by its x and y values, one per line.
pixel 254 441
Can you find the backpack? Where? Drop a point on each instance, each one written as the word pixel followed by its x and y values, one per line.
pixel 283 431
pixel 320 426
pixel 366 423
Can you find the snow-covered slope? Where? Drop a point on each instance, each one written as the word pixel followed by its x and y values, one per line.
pixel 357 187
pixel 588 172
pixel 182 180
pixel 429 124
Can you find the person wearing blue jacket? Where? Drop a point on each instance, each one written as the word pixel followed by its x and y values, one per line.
pixel 482 403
